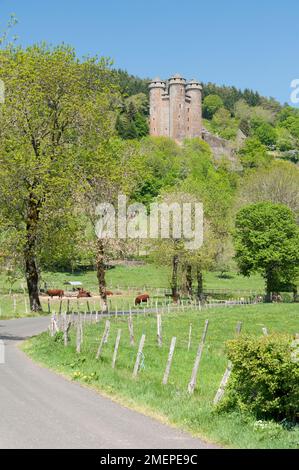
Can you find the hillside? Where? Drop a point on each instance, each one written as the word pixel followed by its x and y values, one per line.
pixel 229 113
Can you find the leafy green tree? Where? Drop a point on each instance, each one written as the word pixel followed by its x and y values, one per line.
pixel 224 125
pixel 253 154
pixel 215 188
pixel 55 106
pixel 267 241
pixel 132 122
pixel 277 183
pixel 164 166
pixel 114 169
pixel 266 134
pixel 285 141
pixel 291 123
pixel 141 125
pixel 211 104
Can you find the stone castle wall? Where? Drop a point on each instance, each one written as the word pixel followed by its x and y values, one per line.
pixel 175 108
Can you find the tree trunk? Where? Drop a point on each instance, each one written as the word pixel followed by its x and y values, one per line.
pixel 101 272
pixel 189 280
pixel 269 286
pixel 199 278
pixel 174 280
pixel 31 269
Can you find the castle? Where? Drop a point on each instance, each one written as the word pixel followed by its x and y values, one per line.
pixel 175 108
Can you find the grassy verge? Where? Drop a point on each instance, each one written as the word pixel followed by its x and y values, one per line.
pixel 172 402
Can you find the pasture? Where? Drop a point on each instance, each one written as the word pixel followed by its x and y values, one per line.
pixel 125 281
pixel 172 403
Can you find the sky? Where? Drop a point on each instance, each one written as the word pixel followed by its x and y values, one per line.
pixel 249 45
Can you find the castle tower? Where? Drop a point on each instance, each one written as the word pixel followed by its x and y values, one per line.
pixel 157 89
pixel 193 109
pixel 177 98
pixel 175 108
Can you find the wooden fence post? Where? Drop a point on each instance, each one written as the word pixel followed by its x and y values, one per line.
pixel 190 337
pixel 159 330
pixel 131 330
pixel 116 348
pixel 192 382
pixel 169 361
pixel 104 338
pixel 138 358
pixel 81 328
pixel 26 305
pixel 51 328
pixel 56 327
pixel 78 336
pixel 227 374
pixel 67 326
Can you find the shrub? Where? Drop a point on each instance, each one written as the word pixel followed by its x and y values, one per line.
pixel 265 377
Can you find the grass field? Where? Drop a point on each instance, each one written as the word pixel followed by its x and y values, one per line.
pixel 172 403
pixel 127 280
pixel 147 275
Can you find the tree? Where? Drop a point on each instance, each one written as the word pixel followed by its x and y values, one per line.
pixel 211 104
pixel 132 122
pixel 253 154
pixel 285 141
pixel 267 241
pixel 266 134
pixel 278 183
pixel 224 125
pixel 55 106
pixel 114 169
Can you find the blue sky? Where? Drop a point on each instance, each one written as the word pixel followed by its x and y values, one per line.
pixel 253 45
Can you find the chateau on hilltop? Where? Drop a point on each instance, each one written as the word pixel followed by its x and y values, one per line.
pixel 176 108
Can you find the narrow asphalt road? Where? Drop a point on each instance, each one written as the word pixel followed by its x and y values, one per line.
pixel 40 409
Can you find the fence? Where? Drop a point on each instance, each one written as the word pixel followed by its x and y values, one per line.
pixel 124 332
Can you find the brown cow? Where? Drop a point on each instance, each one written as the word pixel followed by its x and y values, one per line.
pixel 55 293
pixel 83 293
pixel 109 293
pixel 143 298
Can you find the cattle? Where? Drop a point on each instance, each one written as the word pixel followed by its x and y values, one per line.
pixel 143 298
pixel 83 294
pixel 55 293
pixel 109 293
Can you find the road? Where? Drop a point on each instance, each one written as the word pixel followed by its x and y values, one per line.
pixel 41 410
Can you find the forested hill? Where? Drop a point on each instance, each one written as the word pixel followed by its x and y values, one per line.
pixel 268 125
pixel 132 85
